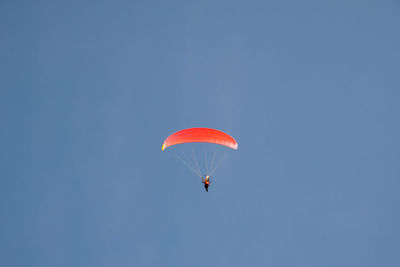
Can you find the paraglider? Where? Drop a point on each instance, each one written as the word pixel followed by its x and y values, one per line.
pixel 200 135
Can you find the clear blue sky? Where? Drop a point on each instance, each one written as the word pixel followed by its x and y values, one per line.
pixel 90 89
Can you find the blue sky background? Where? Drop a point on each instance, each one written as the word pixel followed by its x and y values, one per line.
pixel 90 89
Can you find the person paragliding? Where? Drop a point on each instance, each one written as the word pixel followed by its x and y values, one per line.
pixel 206 181
pixel 200 135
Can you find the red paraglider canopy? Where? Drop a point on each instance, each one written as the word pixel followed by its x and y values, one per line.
pixel 200 135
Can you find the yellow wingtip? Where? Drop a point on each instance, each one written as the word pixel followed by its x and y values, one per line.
pixel 163 147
